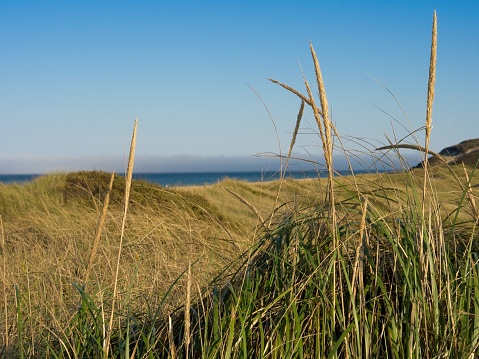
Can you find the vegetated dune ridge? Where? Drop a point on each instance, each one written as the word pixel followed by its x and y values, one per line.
pixel 49 226
pixel 466 152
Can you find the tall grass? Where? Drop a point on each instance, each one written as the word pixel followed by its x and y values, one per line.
pixel 376 266
pixel 129 175
pixel 374 283
pixel 51 228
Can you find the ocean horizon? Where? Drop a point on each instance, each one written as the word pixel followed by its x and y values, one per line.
pixel 194 178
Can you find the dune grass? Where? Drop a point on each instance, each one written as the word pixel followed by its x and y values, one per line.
pixel 49 228
pixel 381 265
pixel 273 300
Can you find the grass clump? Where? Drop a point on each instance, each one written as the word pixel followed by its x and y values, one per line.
pixel 90 187
pixel 387 304
pixel 380 273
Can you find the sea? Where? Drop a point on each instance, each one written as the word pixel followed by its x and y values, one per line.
pixel 194 178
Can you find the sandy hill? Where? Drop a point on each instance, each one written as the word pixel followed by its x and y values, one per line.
pixel 466 152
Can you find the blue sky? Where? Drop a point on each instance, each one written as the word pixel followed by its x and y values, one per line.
pixel 75 75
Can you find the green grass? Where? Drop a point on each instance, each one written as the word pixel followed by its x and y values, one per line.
pixel 378 294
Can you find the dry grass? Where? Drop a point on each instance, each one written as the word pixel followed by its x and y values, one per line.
pixel 48 245
pixel 101 223
pixel 431 83
pixel 47 238
pixel 368 265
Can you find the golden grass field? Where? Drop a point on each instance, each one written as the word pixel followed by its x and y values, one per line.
pixel 49 225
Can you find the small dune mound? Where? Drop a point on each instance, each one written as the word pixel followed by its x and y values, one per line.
pixel 466 152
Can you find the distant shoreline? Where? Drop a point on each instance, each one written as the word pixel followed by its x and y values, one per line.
pixel 194 178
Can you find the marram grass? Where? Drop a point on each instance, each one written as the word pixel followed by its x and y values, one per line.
pixel 373 266
pixel 276 299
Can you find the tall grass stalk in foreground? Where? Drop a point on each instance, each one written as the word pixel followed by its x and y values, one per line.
pixel 425 234
pixel 325 127
pixel 430 86
pixel 430 100
pixel 129 175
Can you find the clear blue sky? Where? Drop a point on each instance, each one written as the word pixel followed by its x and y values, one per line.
pixel 75 75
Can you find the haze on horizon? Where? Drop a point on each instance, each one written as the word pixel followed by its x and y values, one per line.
pixel 74 76
pixel 192 164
